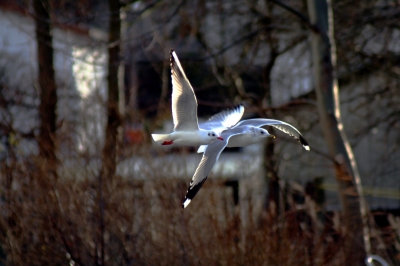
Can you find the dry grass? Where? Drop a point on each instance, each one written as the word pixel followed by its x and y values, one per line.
pixel 55 222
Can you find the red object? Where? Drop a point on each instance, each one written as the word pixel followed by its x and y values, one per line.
pixel 134 136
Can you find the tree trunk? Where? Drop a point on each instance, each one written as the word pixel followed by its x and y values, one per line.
pixel 347 175
pixel 109 153
pixel 47 83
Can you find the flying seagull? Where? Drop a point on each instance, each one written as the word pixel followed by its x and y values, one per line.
pixel 260 122
pixel 184 113
pixel 245 133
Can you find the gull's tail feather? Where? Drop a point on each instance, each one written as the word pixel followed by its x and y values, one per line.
pixel 160 137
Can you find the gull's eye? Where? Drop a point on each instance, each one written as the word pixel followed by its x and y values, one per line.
pixel 213 134
pixel 262 132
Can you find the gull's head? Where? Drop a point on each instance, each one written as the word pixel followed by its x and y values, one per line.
pixel 262 133
pixel 213 135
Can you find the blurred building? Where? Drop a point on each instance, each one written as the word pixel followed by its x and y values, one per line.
pixel 80 67
pixel 148 34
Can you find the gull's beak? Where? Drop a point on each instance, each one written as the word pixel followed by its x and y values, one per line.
pixel 220 138
pixel 272 136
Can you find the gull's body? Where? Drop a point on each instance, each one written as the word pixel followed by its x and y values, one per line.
pixel 184 113
pixel 245 133
pixel 186 138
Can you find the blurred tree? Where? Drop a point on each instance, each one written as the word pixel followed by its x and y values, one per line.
pixel 47 83
pixel 327 90
pixel 109 153
pixel 113 114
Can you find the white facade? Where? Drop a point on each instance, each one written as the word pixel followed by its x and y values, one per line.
pixel 80 69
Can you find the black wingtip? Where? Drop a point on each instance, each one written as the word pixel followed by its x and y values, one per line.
pixel 192 191
pixel 171 59
pixel 236 107
pixel 185 203
pixel 304 143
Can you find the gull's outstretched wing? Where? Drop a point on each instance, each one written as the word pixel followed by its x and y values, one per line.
pixel 184 103
pixel 285 127
pixel 224 120
pixel 210 157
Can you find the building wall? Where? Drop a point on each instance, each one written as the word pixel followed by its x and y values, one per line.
pixel 79 63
